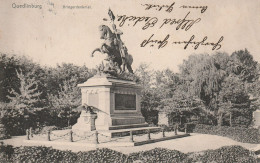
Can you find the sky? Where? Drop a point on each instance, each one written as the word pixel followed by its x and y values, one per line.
pixel 54 34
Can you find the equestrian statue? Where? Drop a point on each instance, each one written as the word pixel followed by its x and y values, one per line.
pixel 114 47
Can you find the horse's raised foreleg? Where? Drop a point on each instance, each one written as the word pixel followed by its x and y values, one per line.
pixel 123 63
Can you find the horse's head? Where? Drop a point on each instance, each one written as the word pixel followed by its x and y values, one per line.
pixel 105 32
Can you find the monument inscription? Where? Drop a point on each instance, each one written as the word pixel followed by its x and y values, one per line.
pixel 93 100
pixel 125 102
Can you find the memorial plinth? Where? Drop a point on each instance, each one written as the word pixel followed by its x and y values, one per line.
pixel 117 102
pixel 86 122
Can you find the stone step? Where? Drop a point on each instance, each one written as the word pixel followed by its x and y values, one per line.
pixel 126 132
pixel 118 127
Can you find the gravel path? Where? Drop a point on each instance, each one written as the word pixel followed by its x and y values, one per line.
pixel 193 143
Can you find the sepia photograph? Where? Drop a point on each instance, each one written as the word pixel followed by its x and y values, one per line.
pixel 130 81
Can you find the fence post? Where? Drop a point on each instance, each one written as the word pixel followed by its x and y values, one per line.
pixel 31 132
pixel 49 135
pixel 175 129
pixel 96 139
pixel 71 138
pixel 163 132
pixel 148 134
pixel 131 136
pixel 27 134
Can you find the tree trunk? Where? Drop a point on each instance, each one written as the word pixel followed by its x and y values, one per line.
pixel 69 122
pixel 230 113
pixel 220 119
pixel 230 119
pixel 69 117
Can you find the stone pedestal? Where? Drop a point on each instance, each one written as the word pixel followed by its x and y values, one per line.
pixel 86 122
pixel 163 119
pixel 256 117
pixel 116 102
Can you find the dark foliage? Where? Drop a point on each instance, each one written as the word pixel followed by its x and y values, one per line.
pixel 241 134
pixel 100 156
pixel 228 154
pixel 16 123
pixel 158 155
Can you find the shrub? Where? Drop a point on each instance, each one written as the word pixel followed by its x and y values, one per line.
pixel 158 155
pixel 45 129
pixel 3 132
pixel 191 127
pixel 6 152
pixel 100 156
pixel 42 154
pixel 15 123
pixel 227 154
pixel 241 134
pixel 167 128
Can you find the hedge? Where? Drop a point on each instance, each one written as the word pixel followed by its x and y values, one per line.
pixel 158 154
pixel 240 134
pixel 37 154
pixel 16 124
pixel 227 154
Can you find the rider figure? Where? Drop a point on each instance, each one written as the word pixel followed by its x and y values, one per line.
pixel 120 45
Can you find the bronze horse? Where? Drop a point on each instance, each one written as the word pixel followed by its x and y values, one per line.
pixel 114 47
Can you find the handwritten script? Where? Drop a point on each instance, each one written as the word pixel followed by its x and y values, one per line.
pixel 185 23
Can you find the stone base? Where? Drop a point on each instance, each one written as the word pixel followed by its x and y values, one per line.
pixel 117 102
pixel 126 132
pixel 122 122
pixel 127 120
pixel 128 126
pixel 256 116
pixel 85 123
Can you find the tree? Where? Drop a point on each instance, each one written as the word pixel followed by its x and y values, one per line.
pixel 240 88
pixel 204 74
pixel 67 98
pixel 64 72
pixel 234 98
pixel 145 75
pixel 243 65
pixel 28 95
pixel 25 99
pixel 9 64
pixel 149 97
pixel 166 82
pixel 220 81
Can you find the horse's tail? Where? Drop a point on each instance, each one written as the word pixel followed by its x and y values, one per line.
pixel 129 59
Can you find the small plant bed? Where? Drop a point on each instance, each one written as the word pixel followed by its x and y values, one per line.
pixel 240 134
pixel 228 154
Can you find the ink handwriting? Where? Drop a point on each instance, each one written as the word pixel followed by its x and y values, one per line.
pixel 185 23
pixel 181 22
pixel 203 8
pixel 161 43
pixel 216 46
pixel 169 8
pixel 194 44
pixel 149 21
